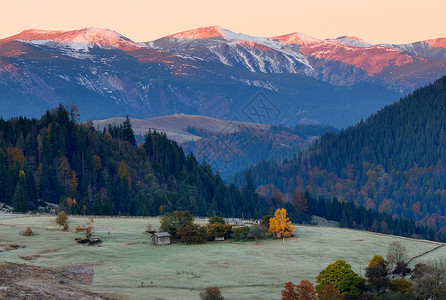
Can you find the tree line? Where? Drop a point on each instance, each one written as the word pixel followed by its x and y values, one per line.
pixel 58 160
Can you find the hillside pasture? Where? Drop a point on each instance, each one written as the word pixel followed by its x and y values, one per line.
pixel 128 266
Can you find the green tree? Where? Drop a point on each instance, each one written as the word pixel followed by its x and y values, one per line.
pixel 171 221
pixel 341 275
pixel 20 198
pixel 191 233
pixel 216 219
pixel 257 231
pixel 127 131
pixel 217 230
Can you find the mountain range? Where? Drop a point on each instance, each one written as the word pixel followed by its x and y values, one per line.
pixel 212 72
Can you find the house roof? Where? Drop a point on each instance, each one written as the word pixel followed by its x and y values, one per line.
pixel 159 234
pixel 234 221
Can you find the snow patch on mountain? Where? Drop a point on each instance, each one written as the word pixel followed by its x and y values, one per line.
pixel 76 38
pixel 352 41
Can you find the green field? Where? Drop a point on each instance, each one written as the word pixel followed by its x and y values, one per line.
pixel 243 270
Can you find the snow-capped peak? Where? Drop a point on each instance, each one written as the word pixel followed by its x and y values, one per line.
pixel 297 38
pixel 352 41
pixel 199 33
pixel 440 42
pixel 89 36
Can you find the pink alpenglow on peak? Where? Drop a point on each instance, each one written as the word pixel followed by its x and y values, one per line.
pixel 352 38
pixel 297 38
pixel 438 43
pixel 199 33
pixel 90 36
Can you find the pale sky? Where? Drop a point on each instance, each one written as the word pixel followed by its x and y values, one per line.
pixel 377 21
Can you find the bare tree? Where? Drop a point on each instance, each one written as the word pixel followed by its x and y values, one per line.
pixel 396 252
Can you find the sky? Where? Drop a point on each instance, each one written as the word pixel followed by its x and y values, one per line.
pixel 376 21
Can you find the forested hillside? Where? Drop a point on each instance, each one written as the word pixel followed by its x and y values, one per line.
pixel 392 162
pixel 231 152
pixel 57 160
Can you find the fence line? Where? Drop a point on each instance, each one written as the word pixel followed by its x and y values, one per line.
pixel 424 253
pixel 198 218
pixel 186 287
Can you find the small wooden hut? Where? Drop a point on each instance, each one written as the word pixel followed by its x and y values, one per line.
pixel 28 232
pixel 161 238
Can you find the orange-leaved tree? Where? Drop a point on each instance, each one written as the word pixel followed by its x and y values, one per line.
pixel 280 224
pixel 289 292
pixel 87 228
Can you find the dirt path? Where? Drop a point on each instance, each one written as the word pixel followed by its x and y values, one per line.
pixel 18 281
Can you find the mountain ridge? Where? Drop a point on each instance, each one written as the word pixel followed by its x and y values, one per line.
pixel 108 75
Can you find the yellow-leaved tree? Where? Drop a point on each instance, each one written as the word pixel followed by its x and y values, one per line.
pixel 280 224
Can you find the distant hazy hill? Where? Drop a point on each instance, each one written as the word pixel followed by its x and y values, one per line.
pixel 393 162
pixel 176 126
pixel 229 146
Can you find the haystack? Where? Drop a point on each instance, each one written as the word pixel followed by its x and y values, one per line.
pixel 28 232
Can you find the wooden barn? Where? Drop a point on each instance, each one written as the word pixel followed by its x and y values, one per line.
pixel 161 238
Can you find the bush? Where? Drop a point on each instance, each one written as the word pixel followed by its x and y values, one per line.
pixel 402 286
pixel 62 220
pixel 211 293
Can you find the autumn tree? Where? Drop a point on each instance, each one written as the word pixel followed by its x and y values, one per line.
pixel 341 275
pixel 305 291
pixel 289 291
pixel 124 174
pixel 211 293
pixel 299 202
pixel 87 228
pixel 280 224
pixel 329 292
pixel 68 176
pixel 62 220
pixel 403 286
pixel 377 274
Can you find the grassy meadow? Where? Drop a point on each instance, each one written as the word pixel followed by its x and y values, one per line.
pixel 243 270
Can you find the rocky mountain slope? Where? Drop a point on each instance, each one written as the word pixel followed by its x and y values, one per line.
pixel 212 72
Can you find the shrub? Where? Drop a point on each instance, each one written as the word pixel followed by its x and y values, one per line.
pixel 211 293
pixel 62 220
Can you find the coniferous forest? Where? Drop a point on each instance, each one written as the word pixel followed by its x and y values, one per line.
pixel 392 162
pixel 58 160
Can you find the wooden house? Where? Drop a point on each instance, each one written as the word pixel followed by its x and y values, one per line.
pixel 161 238
pixel 235 223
